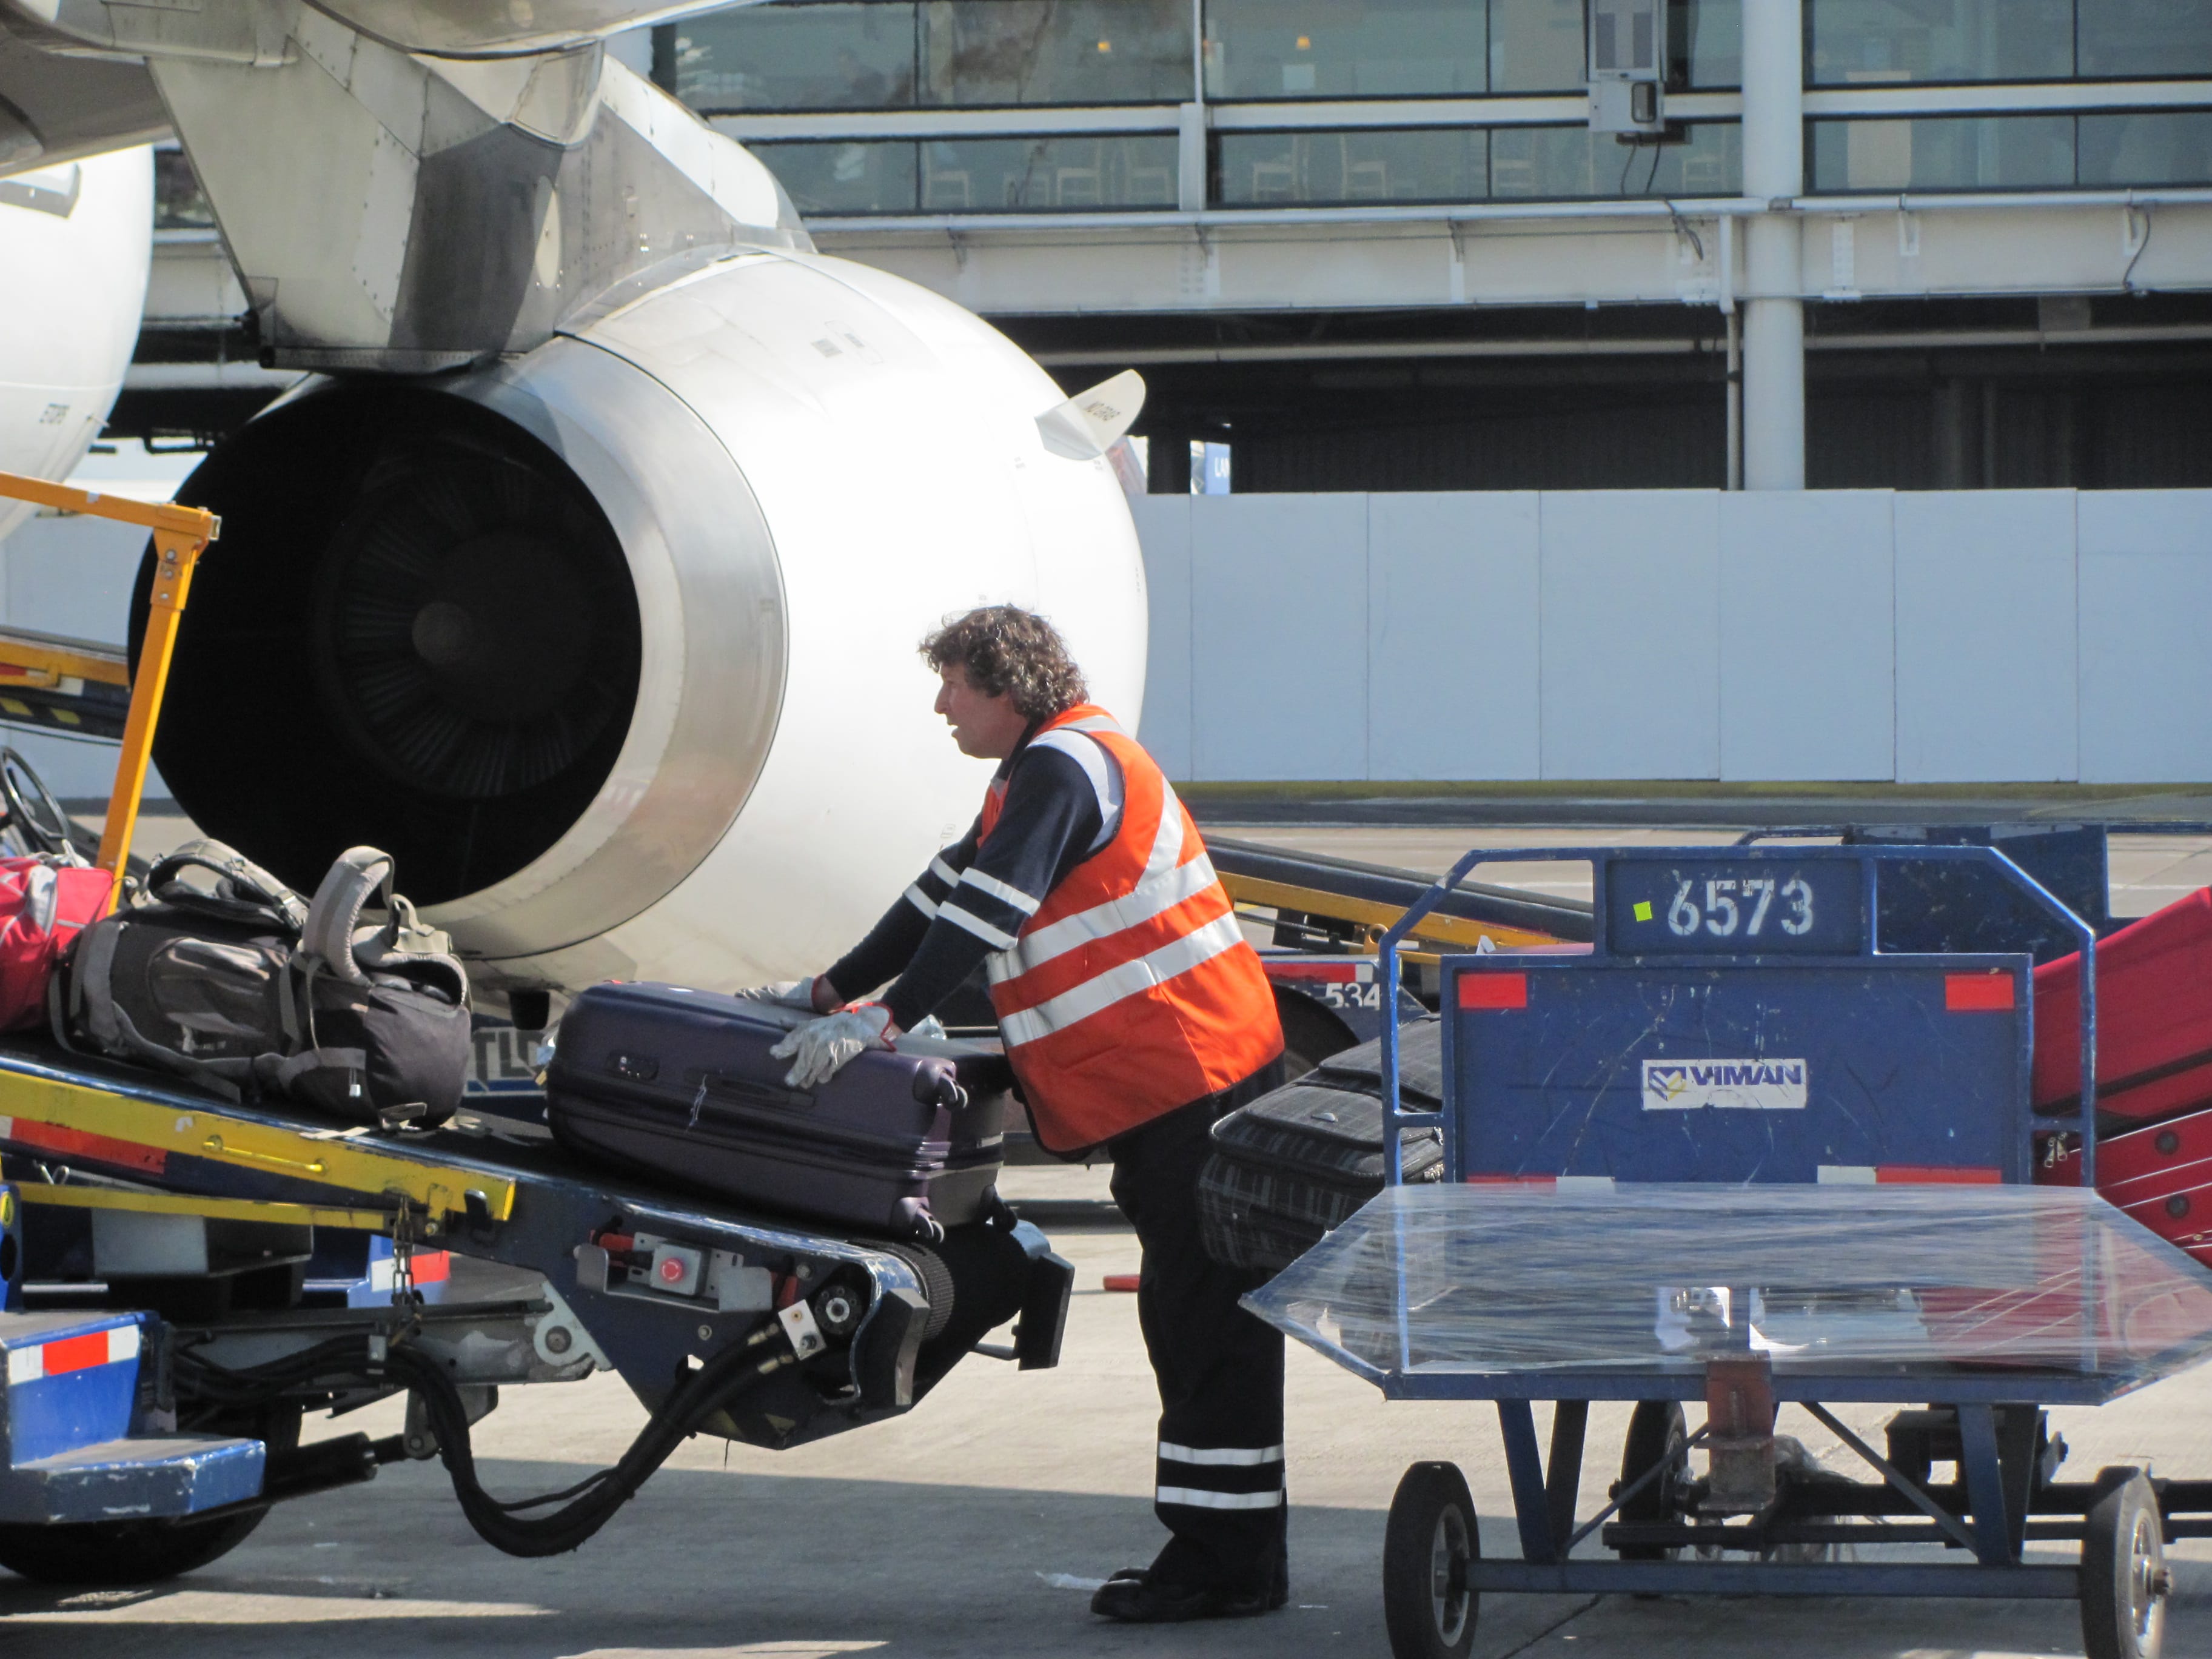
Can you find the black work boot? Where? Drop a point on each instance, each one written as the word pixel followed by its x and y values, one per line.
pixel 1134 1596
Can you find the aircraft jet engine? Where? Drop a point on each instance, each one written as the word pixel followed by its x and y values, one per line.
pixel 613 646
pixel 587 573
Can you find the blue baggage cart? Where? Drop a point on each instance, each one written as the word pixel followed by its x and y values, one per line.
pixel 1737 1153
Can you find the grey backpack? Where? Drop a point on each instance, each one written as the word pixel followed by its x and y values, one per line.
pixel 215 971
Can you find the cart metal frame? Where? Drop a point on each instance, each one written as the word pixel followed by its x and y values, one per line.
pixel 2004 1499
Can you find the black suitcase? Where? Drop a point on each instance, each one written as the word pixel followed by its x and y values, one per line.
pixel 679 1083
pixel 1294 1164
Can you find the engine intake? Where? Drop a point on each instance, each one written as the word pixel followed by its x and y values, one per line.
pixel 418 626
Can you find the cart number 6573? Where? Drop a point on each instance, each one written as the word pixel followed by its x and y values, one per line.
pixel 1741 902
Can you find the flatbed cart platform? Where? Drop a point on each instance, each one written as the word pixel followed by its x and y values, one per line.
pixel 1749 1166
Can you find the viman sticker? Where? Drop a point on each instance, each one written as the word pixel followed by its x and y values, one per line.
pixel 1753 1085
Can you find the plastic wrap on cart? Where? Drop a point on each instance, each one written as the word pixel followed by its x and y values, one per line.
pixel 1497 1280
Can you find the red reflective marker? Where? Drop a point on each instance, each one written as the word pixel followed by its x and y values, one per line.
pixel 1493 990
pixel 1977 994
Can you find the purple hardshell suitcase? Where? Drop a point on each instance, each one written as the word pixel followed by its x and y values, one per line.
pixel 678 1083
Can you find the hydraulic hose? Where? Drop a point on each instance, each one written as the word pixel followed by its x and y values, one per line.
pixel 591 1502
pixel 503 1524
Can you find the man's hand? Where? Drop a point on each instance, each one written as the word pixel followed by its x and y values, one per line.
pixel 815 993
pixel 819 1049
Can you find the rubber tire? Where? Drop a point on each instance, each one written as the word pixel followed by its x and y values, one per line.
pixel 113 1553
pixel 2122 1569
pixel 1310 1033
pixel 1655 1428
pixel 1431 1530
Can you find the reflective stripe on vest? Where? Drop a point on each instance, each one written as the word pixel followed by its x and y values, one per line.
pixel 1131 991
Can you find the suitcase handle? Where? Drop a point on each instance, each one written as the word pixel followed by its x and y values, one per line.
pixel 941 1089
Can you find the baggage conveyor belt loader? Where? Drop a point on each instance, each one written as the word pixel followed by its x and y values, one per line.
pixel 160 1354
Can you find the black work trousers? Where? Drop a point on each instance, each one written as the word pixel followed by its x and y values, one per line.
pixel 1220 1490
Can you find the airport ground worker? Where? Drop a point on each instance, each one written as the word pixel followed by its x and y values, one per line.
pixel 1135 1015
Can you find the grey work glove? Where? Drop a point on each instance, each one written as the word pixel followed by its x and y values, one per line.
pixel 793 993
pixel 819 1049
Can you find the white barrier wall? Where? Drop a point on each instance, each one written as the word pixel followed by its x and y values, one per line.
pixel 1942 637
pixel 71 576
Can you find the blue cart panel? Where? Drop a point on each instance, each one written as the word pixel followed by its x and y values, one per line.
pixel 1855 1070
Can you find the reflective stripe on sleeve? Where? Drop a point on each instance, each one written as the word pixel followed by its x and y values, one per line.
pixel 920 901
pixel 1222 1456
pixel 1176 957
pixel 1198 1497
pixel 943 872
pixel 1005 892
pixel 997 938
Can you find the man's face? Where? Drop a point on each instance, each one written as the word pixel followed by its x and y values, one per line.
pixel 985 726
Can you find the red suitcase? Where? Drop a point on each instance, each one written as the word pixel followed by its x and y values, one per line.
pixel 2154 1019
pixel 2160 1175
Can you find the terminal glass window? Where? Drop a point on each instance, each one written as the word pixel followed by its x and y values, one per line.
pixel 1704 43
pixel 1536 162
pixel 2146 37
pixel 2000 152
pixel 1048 175
pixel 845 54
pixel 1868 42
pixel 1536 45
pixel 985 52
pixel 841 179
pixel 1325 169
pixel 2161 146
pixel 1345 48
pixel 977 175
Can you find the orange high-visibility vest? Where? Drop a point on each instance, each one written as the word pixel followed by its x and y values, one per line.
pixel 1131 991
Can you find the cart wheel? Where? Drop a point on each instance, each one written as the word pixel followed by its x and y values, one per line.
pixel 1426 1603
pixel 2123 1577
pixel 1655 1429
pixel 121 1552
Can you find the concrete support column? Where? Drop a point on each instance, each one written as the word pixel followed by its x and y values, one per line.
pixel 1773 317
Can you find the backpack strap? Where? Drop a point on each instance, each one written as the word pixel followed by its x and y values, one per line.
pixel 243 889
pixel 326 943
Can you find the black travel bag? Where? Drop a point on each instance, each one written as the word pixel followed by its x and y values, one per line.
pixel 215 971
pixel 1294 1164
pixel 679 1085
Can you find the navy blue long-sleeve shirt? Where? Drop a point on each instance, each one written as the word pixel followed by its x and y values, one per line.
pixel 1063 803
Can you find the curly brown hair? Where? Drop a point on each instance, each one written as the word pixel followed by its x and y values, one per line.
pixel 1006 651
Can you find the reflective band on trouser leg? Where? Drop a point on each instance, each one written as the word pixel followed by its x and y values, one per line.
pixel 1198 1499
pixel 1220 1477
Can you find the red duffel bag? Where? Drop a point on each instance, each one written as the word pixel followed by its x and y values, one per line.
pixel 2153 1017
pixel 44 904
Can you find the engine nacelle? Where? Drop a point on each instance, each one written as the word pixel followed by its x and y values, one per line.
pixel 76 239
pixel 613 646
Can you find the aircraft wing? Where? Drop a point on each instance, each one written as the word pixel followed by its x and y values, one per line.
pixel 56 109
pixel 442 28
pixel 468 28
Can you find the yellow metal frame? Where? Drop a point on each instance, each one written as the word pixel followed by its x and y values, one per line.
pixel 1436 929
pixel 326 1158
pixel 213 1209
pixel 41 663
pixel 181 534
